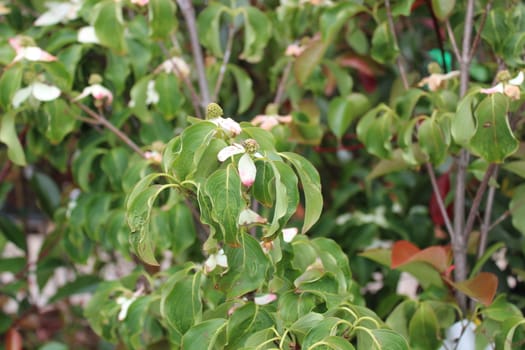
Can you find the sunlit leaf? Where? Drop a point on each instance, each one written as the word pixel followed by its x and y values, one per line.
pixel 481 288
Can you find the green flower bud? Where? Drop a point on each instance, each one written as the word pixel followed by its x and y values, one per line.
pixel 213 111
pixel 251 146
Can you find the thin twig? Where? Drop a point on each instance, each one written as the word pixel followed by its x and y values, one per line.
pixel 399 60
pixel 282 85
pixel 465 49
pixel 107 124
pixel 188 12
pixel 500 219
pixel 477 39
pixel 195 99
pixel 487 216
pixel 453 42
pixel 225 60
pixel 439 199
pixel 477 200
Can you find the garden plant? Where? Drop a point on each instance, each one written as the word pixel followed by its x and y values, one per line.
pixel 262 174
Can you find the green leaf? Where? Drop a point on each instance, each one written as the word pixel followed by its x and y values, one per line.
pixel 496 29
pixel 343 110
pixel 170 97
pixel 53 346
pixel 388 339
pixel 186 151
pixel 432 140
pixel 138 96
pixel 59 75
pixel 109 25
pixel 203 335
pixel 493 140
pixel 117 70
pixel 12 265
pixel 384 49
pixel 343 79
pixel 244 87
pixel 257 32
pixel 47 192
pixel 83 166
pixel 286 197
pixel 162 19
pixel 375 130
pixel 263 188
pixel 508 328
pixel 9 83
pixel 9 136
pixel 311 183
pixel 517 167
pixel 517 208
pixel 248 266
pixel 424 329
pixel 208 27
pixel 443 8
pixel 406 103
pixel 224 190
pixel 309 59
pixel 181 305
pixel 333 18
pixel 402 7
pixel 114 164
pixel 463 126
pixel 60 120
pixel 69 57
pixel 82 284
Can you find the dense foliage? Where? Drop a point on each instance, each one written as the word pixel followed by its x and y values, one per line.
pixel 262 174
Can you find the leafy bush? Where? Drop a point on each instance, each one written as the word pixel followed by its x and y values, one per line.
pixel 111 137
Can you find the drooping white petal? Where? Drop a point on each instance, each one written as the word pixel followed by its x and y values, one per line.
pixel 248 217
pixel 44 92
pixel 99 92
pixel 21 95
pixel 34 53
pixel 152 96
pixel 87 35
pixel 58 12
pixel 289 234
pixel 517 80
pixel 265 299
pixel 492 90
pixel 247 170
pixel 222 259
pixel 229 151
pixel 124 303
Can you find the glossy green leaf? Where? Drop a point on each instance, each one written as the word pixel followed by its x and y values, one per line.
pixel 181 305
pixel 248 266
pixel 224 189
pixel 170 97
pixel 10 82
pixel 257 32
pixel 117 70
pixel 333 18
pixel 310 182
pixel 263 187
pixel 343 79
pixel 162 18
pixel 342 111
pixel 9 136
pixel 402 7
pixel 286 197
pixel 208 26
pixel 375 130
pixel 309 59
pixel 82 284
pixel 508 328
pixel 433 140
pixel 493 140
pixel 384 49
pixel 424 329
pixel 388 339
pixel 185 233
pixel 138 96
pixel 406 102
pixel 60 119
pixel 463 125
pixel 83 166
pixel 203 335
pixel 517 208
pixel 496 29
pixel 443 8
pixel 188 149
pixel 244 87
pixel 516 167
pixel 109 25
pixel 47 192
pixel 323 329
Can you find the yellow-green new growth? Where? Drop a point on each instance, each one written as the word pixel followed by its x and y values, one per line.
pixel 213 111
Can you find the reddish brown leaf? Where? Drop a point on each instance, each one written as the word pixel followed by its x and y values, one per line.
pixel 404 252
pixel 13 340
pixel 481 288
pixel 443 184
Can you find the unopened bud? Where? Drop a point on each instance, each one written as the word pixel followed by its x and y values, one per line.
pixel 503 75
pixel 251 146
pixel 213 111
